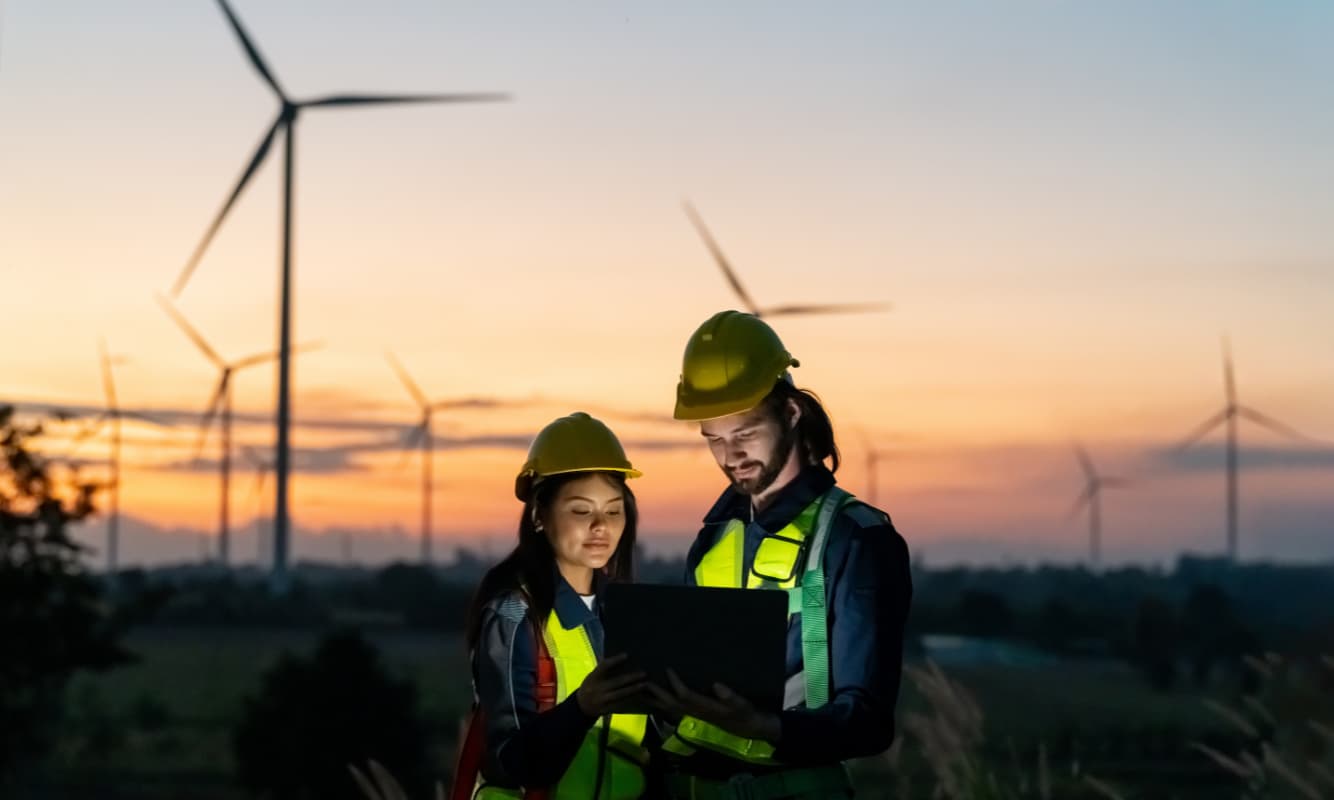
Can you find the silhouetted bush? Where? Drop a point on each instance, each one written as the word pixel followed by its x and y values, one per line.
pixel 985 614
pixel 1156 639
pixel 315 716
pixel 54 618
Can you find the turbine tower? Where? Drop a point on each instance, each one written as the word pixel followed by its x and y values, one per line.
pixel 285 122
pixel 220 405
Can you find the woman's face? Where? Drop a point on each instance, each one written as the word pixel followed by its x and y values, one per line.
pixel 585 521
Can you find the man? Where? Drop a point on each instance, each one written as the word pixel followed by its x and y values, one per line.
pixel 784 524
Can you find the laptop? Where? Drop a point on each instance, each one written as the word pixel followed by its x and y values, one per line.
pixel 736 637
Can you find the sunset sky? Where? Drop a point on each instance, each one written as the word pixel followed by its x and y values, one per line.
pixel 1068 205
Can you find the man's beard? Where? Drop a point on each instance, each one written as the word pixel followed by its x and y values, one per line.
pixel 768 469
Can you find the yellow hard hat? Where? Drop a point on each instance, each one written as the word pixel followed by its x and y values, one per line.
pixel 731 363
pixel 577 443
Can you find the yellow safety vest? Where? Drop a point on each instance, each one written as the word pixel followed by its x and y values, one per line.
pixel 626 758
pixel 792 559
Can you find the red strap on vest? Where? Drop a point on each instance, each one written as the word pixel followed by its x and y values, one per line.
pixel 546 694
pixel 472 747
pixel 469 762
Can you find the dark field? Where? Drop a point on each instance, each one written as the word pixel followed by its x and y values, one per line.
pixel 162 727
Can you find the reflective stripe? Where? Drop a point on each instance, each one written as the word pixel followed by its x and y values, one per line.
pixel 814 617
pixel 710 737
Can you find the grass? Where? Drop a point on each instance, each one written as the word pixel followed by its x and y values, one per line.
pixel 165 723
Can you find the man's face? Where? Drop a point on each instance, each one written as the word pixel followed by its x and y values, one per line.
pixel 751 448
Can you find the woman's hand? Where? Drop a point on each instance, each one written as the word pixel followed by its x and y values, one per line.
pixel 727 709
pixel 605 690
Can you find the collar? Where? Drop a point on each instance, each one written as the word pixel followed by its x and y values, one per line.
pixel 792 499
pixel 569 606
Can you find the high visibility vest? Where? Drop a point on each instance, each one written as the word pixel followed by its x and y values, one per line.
pixel 625 758
pixel 790 560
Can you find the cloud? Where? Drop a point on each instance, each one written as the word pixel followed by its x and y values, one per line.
pixel 190 417
pixel 1211 456
pixel 343 458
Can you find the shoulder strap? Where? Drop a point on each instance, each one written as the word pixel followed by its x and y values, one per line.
pixel 814 616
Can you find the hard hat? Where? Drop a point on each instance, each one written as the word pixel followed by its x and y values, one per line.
pixel 731 363
pixel 577 443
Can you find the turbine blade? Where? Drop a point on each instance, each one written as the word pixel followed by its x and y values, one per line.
pixel 108 381
pixel 1085 462
pixel 720 258
pixel 1204 428
pixel 1229 377
pixel 400 99
pixel 1266 421
pixel 246 175
pixel 190 332
pixel 1080 503
pixel 261 358
pixel 410 444
pixel 209 413
pixel 834 308
pixel 255 58
pixel 403 376
pixel 250 361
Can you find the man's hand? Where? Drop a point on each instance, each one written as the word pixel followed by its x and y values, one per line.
pixel 726 709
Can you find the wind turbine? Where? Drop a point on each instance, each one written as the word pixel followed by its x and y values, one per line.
pixel 744 296
pixel 219 405
pixel 114 415
pixel 1091 496
pixel 422 434
pixel 262 467
pixel 873 457
pixel 1228 416
pixel 285 122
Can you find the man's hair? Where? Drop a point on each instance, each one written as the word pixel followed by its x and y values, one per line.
pixel 815 432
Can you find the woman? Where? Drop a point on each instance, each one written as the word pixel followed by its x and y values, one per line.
pixel 545 696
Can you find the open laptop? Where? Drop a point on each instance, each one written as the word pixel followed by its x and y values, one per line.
pixel 736 637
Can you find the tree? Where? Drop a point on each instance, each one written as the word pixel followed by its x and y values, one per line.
pixel 1057 624
pixel 985 613
pixel 54 618
pixel 1214 633
pixel 313 717
pixel 1156 641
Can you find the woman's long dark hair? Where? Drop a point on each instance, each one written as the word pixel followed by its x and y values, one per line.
pixel 532 563
pixel 815 431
